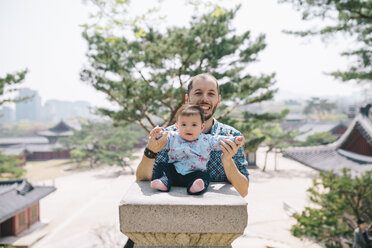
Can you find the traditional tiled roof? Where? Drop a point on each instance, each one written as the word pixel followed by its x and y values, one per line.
pixel 60 127
pixel 327 159
pixel 59 130
pixel 31 148
pixel 16 195
pixel 23 140
pixel 363 124
pixel 312 128
pixel 334 156
pixel 48 133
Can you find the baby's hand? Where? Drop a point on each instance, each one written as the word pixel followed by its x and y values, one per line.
pixel 239 140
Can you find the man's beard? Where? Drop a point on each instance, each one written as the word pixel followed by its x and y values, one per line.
pixel 207 117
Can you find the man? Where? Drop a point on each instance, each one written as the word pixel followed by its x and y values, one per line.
pixel 203 90
pixel 361 239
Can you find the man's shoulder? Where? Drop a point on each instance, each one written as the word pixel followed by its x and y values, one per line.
pixel 224 129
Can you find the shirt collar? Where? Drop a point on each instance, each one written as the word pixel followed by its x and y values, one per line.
pixel 214 127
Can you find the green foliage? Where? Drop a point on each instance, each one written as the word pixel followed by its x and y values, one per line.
pixel 321 138
pixel 145 71
pixel 351 18
pixel 21 129
pixel 251 125
pixel 103 144
pixel 339 200
pixel 7 85
pixel 276 139
pixel 10 166
pixel 318 106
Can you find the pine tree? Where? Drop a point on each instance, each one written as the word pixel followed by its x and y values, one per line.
pixel 7 84
pixel 351 18
pixel 102 144
pixel 10 165
pixel 337 201
pixel 145 72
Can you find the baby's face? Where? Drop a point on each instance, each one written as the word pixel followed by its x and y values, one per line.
pixel 189 127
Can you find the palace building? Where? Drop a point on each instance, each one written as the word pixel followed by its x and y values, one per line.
pixel 352 150
pixel 19 205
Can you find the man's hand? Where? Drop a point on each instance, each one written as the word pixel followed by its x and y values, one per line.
pixel 145 167
pixel 230 148
pixel 156 145
pixel 236 178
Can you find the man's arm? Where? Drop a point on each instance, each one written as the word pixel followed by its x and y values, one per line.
pixel 236 178
pixel 145 167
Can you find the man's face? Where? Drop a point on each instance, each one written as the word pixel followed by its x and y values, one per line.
pixel 363 226
pixel 190 126
pixel 204 93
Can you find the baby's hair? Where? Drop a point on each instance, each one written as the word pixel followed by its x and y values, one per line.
pixel 190 109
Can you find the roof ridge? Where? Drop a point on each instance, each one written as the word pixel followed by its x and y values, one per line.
pixel 9 188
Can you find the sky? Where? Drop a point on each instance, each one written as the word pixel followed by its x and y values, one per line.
pixel 45 37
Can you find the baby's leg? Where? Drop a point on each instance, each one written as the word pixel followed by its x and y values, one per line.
pixel 199 182
pixel 161 178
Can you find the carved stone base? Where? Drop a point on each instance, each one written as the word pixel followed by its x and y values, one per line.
pixel 182 239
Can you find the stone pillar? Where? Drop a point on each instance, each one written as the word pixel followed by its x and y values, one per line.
pixel 158 219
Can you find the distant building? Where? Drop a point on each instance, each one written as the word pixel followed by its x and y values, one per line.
pixel 59 130
pixel 293 121
pixel 7 115
pixel 351 112
pixel 55 110
pixel 39 148
pixel 352 150
pixel 28 110
pixel 336 128
pixel 11 141
pixel 19 205
pixel 298 122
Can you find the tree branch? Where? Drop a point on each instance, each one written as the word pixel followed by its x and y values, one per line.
pixel 173 114
pixel 148 118
pixel 363 16
pixel 228 111
pixel 148 83
pixel 143 126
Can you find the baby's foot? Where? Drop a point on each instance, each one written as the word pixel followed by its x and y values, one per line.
pixel 158 184
pixel 197 186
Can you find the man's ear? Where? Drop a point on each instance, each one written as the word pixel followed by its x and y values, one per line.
pixel 186 98
pixel 176 125
pixel 203 125
pixel 219 100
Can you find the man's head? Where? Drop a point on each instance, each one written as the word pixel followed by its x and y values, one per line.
pixel 362 223
pixel 190 121
pixel 203 90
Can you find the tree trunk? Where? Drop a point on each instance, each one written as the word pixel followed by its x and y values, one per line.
pixel 264 168
pixel 276 153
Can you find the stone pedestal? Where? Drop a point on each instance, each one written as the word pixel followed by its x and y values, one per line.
pixel 157 219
